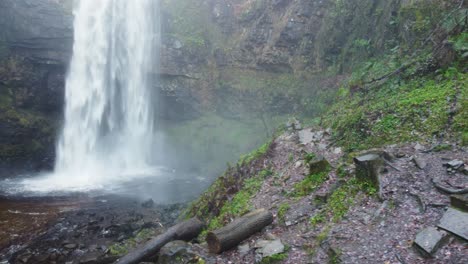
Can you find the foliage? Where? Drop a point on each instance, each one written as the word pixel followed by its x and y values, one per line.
pixel 309 184
pixel 240 203
pixel 460 42
pixel 341 200
pixel 399 110
pixel 276 258
pixel 262 150
pixel 282 210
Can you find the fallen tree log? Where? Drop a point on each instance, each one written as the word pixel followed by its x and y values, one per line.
pixel 231 235
pixel 184 231
pixel 448 190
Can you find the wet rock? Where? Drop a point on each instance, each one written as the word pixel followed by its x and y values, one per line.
pixel 270 248
pixel 419 162
pixel 429 240
pixel 177 252
pixel 455 222
pixel 148 203
pixel 318 164
pixel 368 169
pixel 460 201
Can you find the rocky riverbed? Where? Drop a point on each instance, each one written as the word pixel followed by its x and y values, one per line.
pixel 77 229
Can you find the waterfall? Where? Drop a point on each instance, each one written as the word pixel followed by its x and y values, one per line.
pixel 109 121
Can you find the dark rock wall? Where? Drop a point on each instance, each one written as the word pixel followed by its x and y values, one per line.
pixel 235 58
pixel 35 47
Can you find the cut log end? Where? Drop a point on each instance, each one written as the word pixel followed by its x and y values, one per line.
pixel 214 245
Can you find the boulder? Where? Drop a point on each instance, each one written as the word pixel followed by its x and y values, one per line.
pixel 429 240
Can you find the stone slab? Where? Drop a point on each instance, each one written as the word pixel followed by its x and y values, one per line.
pixel 430 240
pixel 455 222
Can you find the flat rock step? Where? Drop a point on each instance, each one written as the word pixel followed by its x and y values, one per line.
pixel 455 222
pixel 430 240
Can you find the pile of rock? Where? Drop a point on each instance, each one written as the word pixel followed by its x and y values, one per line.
pixel 454 221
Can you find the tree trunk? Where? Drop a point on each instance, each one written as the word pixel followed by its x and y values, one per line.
pixel 229 236
pixel 184 231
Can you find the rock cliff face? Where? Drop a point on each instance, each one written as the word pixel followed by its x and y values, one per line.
pixel 35 46
pixel 237 59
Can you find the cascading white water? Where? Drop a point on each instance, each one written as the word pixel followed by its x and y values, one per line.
pixel 108 130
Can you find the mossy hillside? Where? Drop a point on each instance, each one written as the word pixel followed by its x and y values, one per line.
pixel 309 184
pixel 355 31
pixel 240 202
pixel 401 110
pixel 230 194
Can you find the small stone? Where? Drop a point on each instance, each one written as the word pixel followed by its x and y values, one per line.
pixel 419 147
pixel 298 164
pixel 454 164
pixel 337 151
pixel 400 155
pixel 322 146
pixel 70 246
pixel 420 163
pixel 272 248
pixel 270 236
pixel 460 201
pixel 243 249
pixel 455 222
pixel 430 240
pixel 306 136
